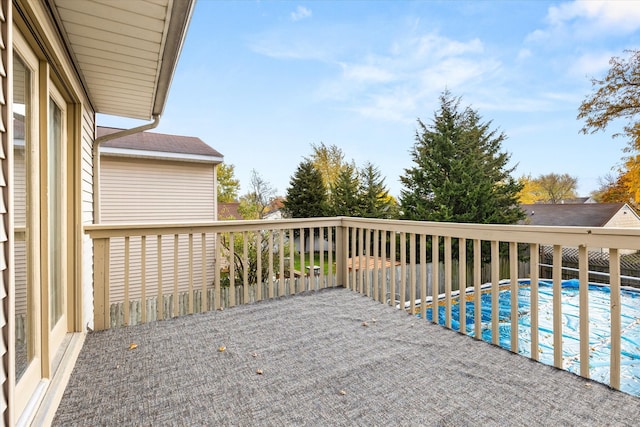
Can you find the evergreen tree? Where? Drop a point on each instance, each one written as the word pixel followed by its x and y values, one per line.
pixel 460 173
pixel 345 193
pixel 375 201
pixel 306 196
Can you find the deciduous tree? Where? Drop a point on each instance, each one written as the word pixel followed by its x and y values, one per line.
pixel 228 185
pixel 617 96
pixel 255 203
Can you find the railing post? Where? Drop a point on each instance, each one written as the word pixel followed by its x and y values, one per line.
pixel 101 315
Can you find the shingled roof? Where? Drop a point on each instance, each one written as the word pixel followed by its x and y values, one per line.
pixel 567 215
pixel 158 142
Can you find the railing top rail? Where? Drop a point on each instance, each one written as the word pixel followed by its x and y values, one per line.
pixel 623 238
pixel 598 237
pixel 97 231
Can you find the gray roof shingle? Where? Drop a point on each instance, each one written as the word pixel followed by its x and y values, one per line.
pixel 568 215
pixel 151 141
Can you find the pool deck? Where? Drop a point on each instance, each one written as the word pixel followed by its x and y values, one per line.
pixel 332 357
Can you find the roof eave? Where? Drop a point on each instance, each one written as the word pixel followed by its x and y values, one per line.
pixel 181 13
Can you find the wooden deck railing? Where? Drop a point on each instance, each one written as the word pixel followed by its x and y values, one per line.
pixel 156 271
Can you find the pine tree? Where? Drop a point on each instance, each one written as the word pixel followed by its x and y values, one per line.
pixel 460 172
pixel 306 196
pixel 374 196
pixel 345 193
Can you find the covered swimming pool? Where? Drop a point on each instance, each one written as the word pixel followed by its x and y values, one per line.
pixel 599 327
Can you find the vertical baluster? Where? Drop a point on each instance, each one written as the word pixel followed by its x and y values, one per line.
pixel 462 284
pixel 321 257
pixel 281 262
pixel 412 272
pixel 302 270
pixel 127 263
pixel 270 280
pixel 217 256
pixel 159 295
pixel 367 262
pixel 583 275
pixel 423 274
pixel 361 261
pixel 392 256
pixel 143 278
pixel 259 277
pixel 534 256
pixel 330 250
pixel 616 312
pixel 513 275
pixel 557 306
pixel 176 305
pixel 403 270
pixel 312 258
pixel 292 276
pixel 190 273
pixel 354 254
pixel 232 270
pixel 447 281
pixel 384 285
pixel 495 292
pixel 477 292
pixel 245 269
pixel 435 277
pixel 376 266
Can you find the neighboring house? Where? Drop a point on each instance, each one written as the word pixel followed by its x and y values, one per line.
pixel 581 215
pixel 228 211
pixel 61 63
pixel 153 178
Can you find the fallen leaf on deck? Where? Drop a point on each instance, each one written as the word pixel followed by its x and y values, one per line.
pixel 254 354
pixel 365 324
pixel 222 348
pixel 133 346
pixel 342 392
pixel 259 371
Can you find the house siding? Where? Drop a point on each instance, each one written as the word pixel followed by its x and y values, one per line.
pixel 6 226
pixel 148 190
pixel 625 218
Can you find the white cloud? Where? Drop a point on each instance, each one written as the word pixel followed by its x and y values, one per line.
pixel 524 54
pixel 301 12
pixel 366 73
pixel 620 16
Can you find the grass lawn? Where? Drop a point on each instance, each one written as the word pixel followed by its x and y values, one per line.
pixel 316 261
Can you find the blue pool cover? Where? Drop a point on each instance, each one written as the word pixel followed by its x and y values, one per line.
pixel 599 328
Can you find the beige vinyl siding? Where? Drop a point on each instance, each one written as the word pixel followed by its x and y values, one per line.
pixel 147 190
pixel 6 225
pixel 625 217
pixel 137 190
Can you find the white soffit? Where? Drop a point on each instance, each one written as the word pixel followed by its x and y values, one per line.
pixel 125 51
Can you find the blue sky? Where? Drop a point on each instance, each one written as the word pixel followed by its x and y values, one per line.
pixel 260 81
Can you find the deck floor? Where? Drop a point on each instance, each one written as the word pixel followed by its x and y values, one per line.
pixel 320 365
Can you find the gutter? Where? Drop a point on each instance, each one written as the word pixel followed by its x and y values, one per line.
pixel 96 159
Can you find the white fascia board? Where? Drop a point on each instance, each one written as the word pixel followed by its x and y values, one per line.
pixel 162 155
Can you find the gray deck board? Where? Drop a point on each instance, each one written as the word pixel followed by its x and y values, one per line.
pixel 321 366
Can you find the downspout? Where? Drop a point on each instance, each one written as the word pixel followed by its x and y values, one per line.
pixel 96 159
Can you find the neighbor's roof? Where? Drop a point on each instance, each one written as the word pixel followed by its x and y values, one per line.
pixel 572 214
pixel 125 51
pixel 155 144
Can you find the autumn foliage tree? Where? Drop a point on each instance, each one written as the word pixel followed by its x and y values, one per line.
pixel 549 188
pixel 617 97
